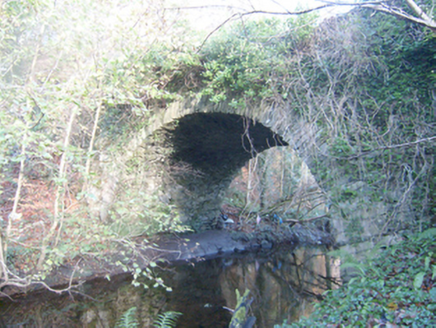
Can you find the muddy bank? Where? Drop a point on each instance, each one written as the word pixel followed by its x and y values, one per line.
pixel 175 249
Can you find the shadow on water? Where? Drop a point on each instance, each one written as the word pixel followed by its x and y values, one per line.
pixel 283 283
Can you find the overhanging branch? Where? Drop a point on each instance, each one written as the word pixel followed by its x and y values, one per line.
pixel 381 6
pixel 406 144
pixel 265 12
pixel 385 7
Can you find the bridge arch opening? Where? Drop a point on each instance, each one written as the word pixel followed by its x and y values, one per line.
pixel 206 151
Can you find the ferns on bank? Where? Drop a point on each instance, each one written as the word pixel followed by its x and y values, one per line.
pixel 128 319
pixel 167 319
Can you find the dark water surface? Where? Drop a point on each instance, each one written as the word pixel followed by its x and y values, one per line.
pixel 283 285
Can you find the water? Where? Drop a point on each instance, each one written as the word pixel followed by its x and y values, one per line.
pixel 283 284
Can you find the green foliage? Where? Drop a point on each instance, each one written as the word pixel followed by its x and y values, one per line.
pixel 247 61
pixel 62 62
pixel 366 80
pixel 396 287
pixel 167 319
pixel 128 319
pixel 362 83
pixel 141 214
pixel 374 71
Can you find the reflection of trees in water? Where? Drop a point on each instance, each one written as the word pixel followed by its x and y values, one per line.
pixel 196 294
pixel 283 285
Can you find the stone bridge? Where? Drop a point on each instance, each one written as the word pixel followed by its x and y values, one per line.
pixel 205 145
pixel 193 152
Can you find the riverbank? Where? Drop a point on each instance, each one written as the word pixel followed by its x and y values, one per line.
pixel 171 248
pixel 396 288
pixel 283 282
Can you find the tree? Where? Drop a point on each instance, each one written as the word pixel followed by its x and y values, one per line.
pixel 65 67
pixel 407 10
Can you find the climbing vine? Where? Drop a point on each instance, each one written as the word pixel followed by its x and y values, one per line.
pixel 364 82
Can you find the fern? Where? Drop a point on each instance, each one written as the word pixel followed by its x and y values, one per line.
pixel 167 319
pixel 427 234
pixel 128 319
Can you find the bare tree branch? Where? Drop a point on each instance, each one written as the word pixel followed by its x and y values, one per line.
pixel 409 143
pixel 381 6
pixel 16 281
pixel 58 217
pixel 406 144
pixel 265 12
pixel 203 7
pixel 306 220
pixel 418 10
pixel 385 7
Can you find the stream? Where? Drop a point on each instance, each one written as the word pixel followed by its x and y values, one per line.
pixel 283 284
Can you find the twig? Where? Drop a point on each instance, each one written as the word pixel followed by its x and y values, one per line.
pixel 25 282
pixel 265 12
pixel 60 191
pixel 407 144
pixel 306 220
pixel 59 291
pixel 74 271
pixel 13 215
pixel 380 6
pixel 93 134
pixel 203 7
pixel 412 143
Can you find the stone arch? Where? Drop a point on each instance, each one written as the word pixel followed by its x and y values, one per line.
pixel 206 145
pixel 186 187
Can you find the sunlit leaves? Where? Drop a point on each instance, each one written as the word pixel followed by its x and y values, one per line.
pixel 249 61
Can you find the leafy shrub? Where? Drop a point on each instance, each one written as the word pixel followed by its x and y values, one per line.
pixel 398 287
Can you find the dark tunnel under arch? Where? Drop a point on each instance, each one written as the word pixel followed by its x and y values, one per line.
pixel 214 146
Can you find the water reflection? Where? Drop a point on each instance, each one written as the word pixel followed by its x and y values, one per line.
pixel 283 284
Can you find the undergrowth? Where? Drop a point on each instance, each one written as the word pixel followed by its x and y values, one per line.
pixel 167 319
pixel 396 289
